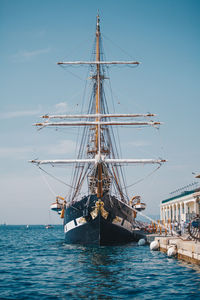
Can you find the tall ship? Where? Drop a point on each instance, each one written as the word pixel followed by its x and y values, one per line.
pixel 106 215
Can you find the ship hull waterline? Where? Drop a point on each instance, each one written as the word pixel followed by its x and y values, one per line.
pixel 101 232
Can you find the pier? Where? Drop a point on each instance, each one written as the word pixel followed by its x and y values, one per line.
pixel 187 250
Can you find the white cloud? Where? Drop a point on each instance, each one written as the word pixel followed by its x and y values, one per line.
pixel 61 107
pixel 139 144
pixel 14 151
pixel 27 55
pixel 63 147
pixel 17 114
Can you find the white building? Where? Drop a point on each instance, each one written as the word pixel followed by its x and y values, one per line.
pixel 182 207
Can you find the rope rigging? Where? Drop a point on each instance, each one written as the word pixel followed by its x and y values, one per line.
pixel 98 138
pixel 54 177
pixel 142 179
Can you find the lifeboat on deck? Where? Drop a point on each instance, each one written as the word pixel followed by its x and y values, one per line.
pixel 139 206
pixel 57 206
pixel 136 203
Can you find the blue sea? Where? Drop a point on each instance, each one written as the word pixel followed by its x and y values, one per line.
pixel 36 263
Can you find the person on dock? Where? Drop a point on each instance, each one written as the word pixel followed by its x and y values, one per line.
pixel 182 227
pixel 176 225
pixel 172 225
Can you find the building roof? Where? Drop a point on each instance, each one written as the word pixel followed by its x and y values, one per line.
pixel 185 193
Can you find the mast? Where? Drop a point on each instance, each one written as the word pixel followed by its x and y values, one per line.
pixel 102 157
pixel 98 111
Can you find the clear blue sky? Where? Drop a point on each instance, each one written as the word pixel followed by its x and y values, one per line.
pixel 162 35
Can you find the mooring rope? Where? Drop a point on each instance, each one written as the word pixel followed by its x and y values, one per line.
pixel 147 217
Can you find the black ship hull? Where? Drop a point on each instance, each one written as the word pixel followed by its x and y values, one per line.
pixel 81 227
pixel 98 232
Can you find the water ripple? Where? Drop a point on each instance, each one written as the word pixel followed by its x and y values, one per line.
pixel 35 263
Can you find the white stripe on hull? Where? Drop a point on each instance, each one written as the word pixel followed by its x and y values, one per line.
pixel 74 223
pixel 80 221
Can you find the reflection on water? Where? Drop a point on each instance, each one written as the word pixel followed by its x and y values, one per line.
pixel 100 256
pixel 37 264
pixel 130 271
pixel 192 267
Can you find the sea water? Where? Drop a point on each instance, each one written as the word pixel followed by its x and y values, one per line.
pixel 36 263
